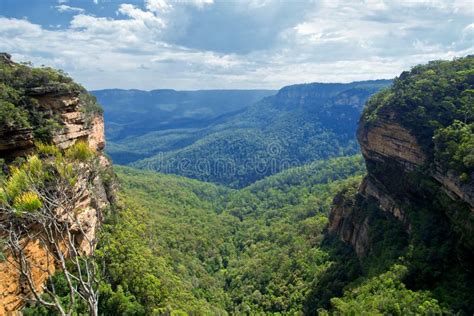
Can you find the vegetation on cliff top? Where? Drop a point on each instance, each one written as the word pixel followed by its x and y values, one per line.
pixel 19 108
pixel 435 100
pixel 39 198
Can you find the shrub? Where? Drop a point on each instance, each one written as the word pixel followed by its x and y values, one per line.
pixel 89 103
pixel 27 202
pixel 455 146
pixel 387 295
pixel 17 183
pixel 80 151
pixel 46 149
pixel 12 116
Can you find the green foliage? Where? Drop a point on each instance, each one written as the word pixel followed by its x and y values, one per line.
pixel 385 294
pixel 19 108
pixel 44 149
pixel 440 230
pixel 79 151
pixel 262 249
pixel 298 125
pixel 27 202
pixel 12 117
pixel 89 104
pixel 20 188
pixel 185 245
pixel 435 100
pixel 455 147
pixel 60 285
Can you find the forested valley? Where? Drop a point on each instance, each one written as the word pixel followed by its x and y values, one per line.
pixel 374 217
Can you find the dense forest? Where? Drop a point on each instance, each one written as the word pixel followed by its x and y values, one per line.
pixel 210 249
pixel 300 124
pixel 269 250
pixel 133 113
pixel 262 241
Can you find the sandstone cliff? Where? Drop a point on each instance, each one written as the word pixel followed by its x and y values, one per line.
pixel 73 122
pixel 404 171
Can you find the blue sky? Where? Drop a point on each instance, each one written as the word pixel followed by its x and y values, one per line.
pixel 204 44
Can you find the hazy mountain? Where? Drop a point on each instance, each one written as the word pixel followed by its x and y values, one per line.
pixel 301 123
pixel 135 112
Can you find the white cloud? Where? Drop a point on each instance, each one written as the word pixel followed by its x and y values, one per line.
pixel 66 8
pixel 335 40
pixel 159 6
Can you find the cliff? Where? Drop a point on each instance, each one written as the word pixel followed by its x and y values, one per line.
pixel 416 152
pixel 417 139
pixel 47 106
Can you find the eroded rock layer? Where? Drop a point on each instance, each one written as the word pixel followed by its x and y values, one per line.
pixel 76 123
pixel 396 161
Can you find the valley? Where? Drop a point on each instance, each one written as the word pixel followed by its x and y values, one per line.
pixel 369 212
pixel 298 125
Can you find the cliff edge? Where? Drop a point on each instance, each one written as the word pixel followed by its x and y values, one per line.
pixel 44 106
pixel 417 138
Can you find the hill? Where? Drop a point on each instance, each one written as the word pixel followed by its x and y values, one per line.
pixel 131 113
pixel 300 124
pixel 184 245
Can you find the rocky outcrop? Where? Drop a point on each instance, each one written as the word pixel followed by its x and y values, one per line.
pixel 76 123
pixel 392 153
pixel 90 208
pixel 385 138
pixel 351 227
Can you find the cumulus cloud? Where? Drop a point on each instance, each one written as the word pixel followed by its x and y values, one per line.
pixel 167 5
pixel 198 44
pixel 66 8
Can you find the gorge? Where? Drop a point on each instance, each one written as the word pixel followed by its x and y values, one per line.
pixel 389 231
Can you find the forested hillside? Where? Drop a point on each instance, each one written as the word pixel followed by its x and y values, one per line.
pixel 133 113
pixel 291 229
pixel 406 227
pixel 181 244
pixel 300 124
pixel 413 215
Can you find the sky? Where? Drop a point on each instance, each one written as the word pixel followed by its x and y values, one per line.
pixel 234 44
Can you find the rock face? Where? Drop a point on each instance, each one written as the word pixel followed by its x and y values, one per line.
pixel 76 124
pixel 391 153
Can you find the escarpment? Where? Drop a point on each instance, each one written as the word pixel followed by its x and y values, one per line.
pixel 419 154
pixel 63 107
pixel 42 106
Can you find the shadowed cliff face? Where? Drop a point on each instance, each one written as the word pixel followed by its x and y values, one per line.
pixel 73 122
pixel 404 171
pixel 393 157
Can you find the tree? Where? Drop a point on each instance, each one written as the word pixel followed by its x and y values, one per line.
pixel 39 204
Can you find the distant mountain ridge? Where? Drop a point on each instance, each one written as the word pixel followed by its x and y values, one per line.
pixel 297 125
pixel 136 112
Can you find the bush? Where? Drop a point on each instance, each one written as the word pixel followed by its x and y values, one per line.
pixel 46 149
pixel 455 146
pixel 89 104
pixel 387 295
pixel 27 202
pixel 12 116
pixel 79 151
